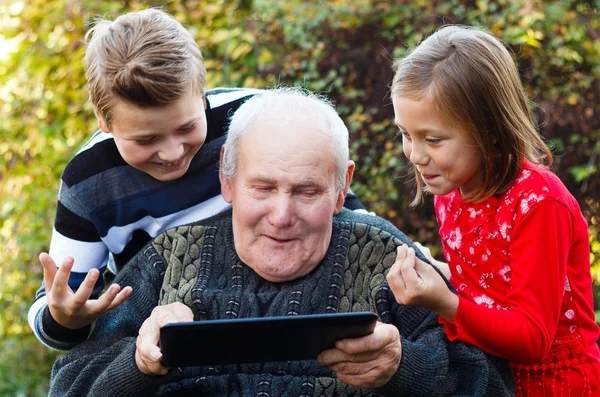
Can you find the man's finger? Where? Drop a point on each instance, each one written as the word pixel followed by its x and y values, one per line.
pixel 373 342
pixel 182 312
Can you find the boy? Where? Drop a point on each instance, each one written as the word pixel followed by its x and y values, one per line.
pixel 151 166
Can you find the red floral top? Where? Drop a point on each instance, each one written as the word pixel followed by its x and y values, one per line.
pixel 520 262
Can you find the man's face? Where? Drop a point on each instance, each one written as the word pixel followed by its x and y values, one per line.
pixel 283 198
pixel 160 141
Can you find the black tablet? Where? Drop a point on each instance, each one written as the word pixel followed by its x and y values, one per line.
pixel 248 340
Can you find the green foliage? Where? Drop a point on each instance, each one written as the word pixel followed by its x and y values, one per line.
pixel 341 48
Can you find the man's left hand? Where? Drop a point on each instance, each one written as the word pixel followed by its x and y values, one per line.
pixel 370 361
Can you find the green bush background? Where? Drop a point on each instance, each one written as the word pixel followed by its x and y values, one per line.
pixel 339 48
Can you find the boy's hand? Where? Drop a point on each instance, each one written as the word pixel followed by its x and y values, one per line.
pixel 147 352
pixel 414 282
pixel 76 310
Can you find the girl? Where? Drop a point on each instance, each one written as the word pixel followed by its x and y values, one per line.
pixel 514 237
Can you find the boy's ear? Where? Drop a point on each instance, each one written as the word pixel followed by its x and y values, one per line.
pixel 101 122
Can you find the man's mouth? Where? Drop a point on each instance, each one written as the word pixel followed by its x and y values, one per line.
pixel 279 240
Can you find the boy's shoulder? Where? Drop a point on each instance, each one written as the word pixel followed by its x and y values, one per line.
pixel 97 155
pixel 220 96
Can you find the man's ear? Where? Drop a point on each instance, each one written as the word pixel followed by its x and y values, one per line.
pixel 226 182
pixel 342 195
pixel 102 124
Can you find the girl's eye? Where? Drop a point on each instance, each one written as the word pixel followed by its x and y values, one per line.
pixel 433 141
pixel 405 135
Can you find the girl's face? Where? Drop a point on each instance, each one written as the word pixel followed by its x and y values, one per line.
pixel 445 158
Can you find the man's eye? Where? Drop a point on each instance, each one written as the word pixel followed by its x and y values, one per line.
pixel 308 192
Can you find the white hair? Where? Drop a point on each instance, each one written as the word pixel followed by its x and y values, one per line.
pixel 284 105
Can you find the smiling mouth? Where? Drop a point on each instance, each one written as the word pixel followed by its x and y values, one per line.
pixel 172 164
pixel 279 241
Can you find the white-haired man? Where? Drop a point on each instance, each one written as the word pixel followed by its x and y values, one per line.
pixel 286 247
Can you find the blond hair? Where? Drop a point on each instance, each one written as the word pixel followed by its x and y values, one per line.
pixel 471 78
pixel 146 58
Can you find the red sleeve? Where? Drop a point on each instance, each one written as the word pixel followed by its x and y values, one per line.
pixel 538 255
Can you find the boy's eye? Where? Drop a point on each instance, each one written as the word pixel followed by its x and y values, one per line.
pixel 144 142
pixel 405 135
pixel 189 128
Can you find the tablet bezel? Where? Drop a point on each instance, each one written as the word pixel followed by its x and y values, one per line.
pixel 259 339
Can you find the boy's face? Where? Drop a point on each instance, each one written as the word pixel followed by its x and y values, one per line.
pixel 159 141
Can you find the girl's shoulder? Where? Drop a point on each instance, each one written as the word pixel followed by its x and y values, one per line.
pixel 534 184
pixel 539 180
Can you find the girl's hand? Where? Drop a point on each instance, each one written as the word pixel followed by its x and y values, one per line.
pixel 75 310
pixel 414 282
pixel 442 266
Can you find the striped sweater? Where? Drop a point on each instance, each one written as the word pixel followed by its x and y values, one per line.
pixel 108 208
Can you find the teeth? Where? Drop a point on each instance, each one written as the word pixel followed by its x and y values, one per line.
pixel 170 164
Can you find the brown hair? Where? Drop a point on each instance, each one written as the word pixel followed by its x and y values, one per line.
pixel 146 58
pixel 471 78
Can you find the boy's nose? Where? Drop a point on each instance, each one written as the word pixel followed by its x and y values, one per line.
pixel 172 151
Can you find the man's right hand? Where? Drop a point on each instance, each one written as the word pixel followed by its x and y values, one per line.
pixel 75 310
pixel 147 352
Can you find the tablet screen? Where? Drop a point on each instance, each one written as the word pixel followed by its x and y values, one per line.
pixel 246 340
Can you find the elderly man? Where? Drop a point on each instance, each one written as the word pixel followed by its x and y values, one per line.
pixel 286 247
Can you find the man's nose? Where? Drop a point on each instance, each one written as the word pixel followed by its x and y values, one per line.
pixel 282 213
pixel 172 150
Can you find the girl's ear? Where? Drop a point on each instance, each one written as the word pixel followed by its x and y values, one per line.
pixel 102 124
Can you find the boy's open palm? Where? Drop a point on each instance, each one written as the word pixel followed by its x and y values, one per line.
pixel 76 310
pixel 414 282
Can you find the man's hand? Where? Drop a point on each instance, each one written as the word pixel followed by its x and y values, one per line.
pixel 76 310
pixel 416 283
pixel 370 361
pixel 147 352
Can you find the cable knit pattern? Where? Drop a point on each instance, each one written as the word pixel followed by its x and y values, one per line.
pixel 205 273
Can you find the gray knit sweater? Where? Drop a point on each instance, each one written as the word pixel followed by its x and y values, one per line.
pixel 197 265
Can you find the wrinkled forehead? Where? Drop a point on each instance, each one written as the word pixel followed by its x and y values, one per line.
pixel 286 146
